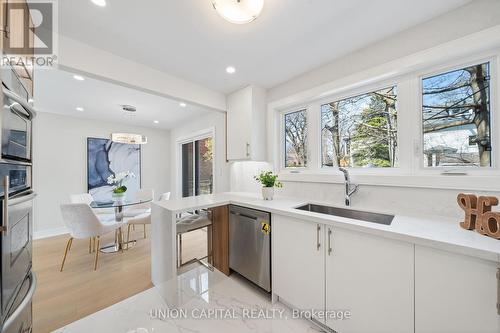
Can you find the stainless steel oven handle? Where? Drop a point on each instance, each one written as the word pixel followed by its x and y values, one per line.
pixel 26 301
pixel 5 208
pixel 19 100
pixel 30 195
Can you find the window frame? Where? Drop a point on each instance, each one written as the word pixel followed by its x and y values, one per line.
pixel 406 73
pixel 282 138
pixel 321 166
pixel 493 61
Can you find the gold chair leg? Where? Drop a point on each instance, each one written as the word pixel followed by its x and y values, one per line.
pixel 98 243
pixel 121 240
pixel 144 231
pixel 128 235
pixel 68 247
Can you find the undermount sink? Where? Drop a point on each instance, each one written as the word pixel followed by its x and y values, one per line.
pixel 349 213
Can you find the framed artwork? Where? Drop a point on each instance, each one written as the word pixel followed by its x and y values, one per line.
pixel 106 158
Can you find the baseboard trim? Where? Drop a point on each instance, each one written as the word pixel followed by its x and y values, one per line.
pixel 41 234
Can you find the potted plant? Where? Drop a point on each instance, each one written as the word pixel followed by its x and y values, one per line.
pixel 119 190
pixel 269 181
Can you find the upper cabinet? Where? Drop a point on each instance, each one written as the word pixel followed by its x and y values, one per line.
pixel 246 125
pixel 13 26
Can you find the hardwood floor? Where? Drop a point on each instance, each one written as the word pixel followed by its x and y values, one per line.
pixel 78 291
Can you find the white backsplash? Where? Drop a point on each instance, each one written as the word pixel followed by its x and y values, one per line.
pixel 396 200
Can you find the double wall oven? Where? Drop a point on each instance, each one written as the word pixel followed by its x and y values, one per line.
pixel 17 281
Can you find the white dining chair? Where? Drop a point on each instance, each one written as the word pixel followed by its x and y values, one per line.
pixel 82 223
pixel 164 196
pixel 104 214
pixel 136 210
pixel 143 219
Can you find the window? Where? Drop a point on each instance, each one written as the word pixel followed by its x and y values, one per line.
pixel 296 139
pixel 360 131
pixel 197 167
pixel 456 118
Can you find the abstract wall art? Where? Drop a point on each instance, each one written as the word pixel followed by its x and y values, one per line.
pixel 106 158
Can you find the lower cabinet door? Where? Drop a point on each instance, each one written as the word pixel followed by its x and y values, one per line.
pixel 371 278
pixel 298 263
pixel 454 293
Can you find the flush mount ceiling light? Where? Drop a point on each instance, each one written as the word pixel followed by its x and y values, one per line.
pixel 80 109
pixel 78 78
pixel 100 3
pixel 230 70
pixel 128 138
pixel 182 104
pixel 156 122
pixel 238 11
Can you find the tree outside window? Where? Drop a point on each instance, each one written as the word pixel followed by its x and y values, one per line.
pixel 361 131
pixel 296 139
pixel 456 118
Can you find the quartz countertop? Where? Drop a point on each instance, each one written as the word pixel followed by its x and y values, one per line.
pixel 434 231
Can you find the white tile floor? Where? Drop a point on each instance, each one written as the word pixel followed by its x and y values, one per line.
pixel 231 304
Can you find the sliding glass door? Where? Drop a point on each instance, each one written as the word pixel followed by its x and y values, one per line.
pixel 197 167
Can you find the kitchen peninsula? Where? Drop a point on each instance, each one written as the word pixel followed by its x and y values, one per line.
pixel 402 257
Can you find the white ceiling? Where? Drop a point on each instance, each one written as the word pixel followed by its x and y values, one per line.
pixel 58 92
pixel 187 38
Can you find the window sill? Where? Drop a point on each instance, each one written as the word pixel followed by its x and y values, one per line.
pixel 450 182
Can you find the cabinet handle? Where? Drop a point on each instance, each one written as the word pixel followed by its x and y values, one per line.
pixel 318 243
pixel 498 291
pixel 330 241
pixel 248 149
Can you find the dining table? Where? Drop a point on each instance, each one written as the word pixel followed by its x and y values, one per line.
pixel 118 206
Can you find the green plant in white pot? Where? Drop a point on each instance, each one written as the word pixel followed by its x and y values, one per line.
pixel 119 190
pixel 269 181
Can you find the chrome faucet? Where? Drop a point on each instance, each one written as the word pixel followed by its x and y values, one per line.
pixel 350 189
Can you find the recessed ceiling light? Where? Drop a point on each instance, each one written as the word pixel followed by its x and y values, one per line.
pixel 78 78
pixel 230 69
pixel 156 122
pixel 182 104
pixel 100 3
pixel 80 109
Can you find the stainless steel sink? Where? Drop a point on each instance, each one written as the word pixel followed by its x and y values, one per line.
pixel 349 213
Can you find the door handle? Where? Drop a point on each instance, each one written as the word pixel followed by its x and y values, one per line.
pixel 318 243
pixel 5 208
pixel 330 241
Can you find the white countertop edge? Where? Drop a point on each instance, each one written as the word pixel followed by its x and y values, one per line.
pixel 436 232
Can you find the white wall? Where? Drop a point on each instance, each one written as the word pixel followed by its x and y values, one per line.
pixel 60 163
pixel 216 121
pixel 474 17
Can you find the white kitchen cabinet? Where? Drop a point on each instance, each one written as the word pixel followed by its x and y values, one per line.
pixel 246 125
pixel 372 277
pixel 454 293
pixel 298 262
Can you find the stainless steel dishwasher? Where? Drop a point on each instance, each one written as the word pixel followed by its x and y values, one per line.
pixel 250 244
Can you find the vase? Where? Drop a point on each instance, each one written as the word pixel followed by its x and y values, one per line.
pixel 268 193
pixel 118 196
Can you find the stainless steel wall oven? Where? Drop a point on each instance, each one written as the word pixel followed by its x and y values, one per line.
pixel 17 281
